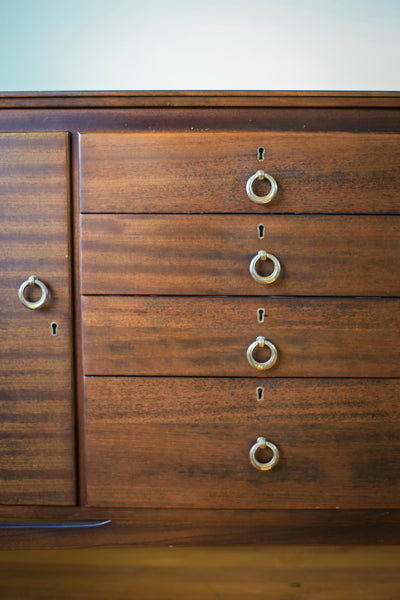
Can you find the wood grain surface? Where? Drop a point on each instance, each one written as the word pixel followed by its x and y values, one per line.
pixel 36 400
pixel 278 573
pixel 185 442
pixel 210 99
pixel 345 119
pixel 202 254
pixel 207 172
pixel 166 335
pixel 216 527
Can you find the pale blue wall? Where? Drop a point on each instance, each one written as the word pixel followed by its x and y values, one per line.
pixel 202 44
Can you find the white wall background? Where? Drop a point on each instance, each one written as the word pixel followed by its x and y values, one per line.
pixel 201 44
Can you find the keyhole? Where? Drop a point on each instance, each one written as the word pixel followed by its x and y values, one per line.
pixel 54 329
pixel 260 154
pixel 261 314
pixel 260 393
pixel 261 230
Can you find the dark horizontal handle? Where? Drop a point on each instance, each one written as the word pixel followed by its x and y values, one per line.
pixel 52 524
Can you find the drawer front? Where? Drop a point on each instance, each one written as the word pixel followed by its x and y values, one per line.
pixel 200 254
pixel 185 442
pixel 325 337
pixel 208 172
pixel 36 402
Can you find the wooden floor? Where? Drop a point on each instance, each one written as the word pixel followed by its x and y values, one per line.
pixel 235 573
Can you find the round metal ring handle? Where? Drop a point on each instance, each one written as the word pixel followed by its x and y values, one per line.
pixel 33 280
pixel 262 255
pixel 261 199
pixel 267 466
pixel 261 342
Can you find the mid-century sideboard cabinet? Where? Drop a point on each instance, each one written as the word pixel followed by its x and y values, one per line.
pixel 200 324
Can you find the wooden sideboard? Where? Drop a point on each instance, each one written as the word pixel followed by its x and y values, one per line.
pixel 216 360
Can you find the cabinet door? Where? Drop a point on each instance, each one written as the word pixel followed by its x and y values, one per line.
pixel 36 409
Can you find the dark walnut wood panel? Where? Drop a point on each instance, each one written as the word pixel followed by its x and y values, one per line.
pixel 187 526
pixel 36 400
pixel 285 529
pixel 202 254
pixel 325 337
pixel 207 172
pixel 185 442
pixel 205 99
pixel 349 119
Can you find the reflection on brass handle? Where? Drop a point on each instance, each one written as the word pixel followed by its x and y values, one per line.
pixel 260 342
pixel 262 255
pixel 261 199
pixel 33 280
pixel 267 466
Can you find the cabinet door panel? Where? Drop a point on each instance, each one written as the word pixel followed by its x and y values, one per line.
pixel 315 337
pixel 36 404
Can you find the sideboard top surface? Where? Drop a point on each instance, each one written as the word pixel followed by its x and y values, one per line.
pixel 192 98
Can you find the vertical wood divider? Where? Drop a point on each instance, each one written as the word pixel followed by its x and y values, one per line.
pixel 79 382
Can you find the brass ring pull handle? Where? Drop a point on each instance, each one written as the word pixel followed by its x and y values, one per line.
pixel 261 342
pixel 261 466
pixel 33 280
pixel 262 255
pixel 261 199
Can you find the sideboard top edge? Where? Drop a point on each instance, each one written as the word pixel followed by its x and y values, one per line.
pixel 201 99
